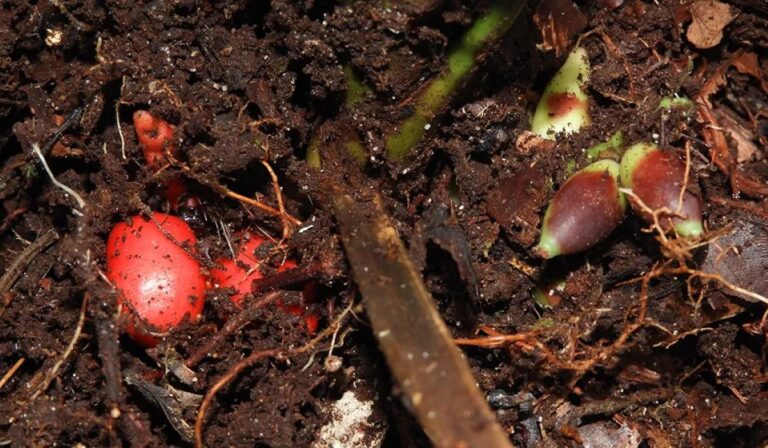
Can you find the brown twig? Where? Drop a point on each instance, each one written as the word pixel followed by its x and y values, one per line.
pixel 106 337
pixel 287 229
pixel 288 277
pixel 221 189
pixel 416 343
pixel 10 217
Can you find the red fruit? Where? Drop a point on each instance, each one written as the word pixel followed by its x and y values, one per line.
pixel 241 272
pixel 312 321
pixel 158 280
pixel 174 190
pixel 155 136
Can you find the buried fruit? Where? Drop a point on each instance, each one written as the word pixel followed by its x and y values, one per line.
pixel 155 136
pixel 564 105
pixel 152 265
pixel 240 273
pixel 584 211
pixel 656 177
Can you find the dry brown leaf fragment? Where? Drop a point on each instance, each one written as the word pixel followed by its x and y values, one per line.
pixel 742 137
pixel 738 256
pixel 744 62
pixel 710 17
pixel 558 21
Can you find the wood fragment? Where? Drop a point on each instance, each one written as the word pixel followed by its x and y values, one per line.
pixel 415 340
pixel 106 337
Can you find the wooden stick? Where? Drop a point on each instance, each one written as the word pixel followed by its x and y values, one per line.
pixel 436 380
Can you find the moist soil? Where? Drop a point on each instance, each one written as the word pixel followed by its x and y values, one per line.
pixel 244 82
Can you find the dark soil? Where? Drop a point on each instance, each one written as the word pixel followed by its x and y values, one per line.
pixel 247 81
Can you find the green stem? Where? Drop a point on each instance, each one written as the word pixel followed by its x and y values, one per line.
pixel 615 143
pixel 356 91
pixel 434 97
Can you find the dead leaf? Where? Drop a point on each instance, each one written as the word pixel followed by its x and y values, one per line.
pixel 739 257
pixel 710 17
pixel 516 203
pixel 744 62
pixel 742 137
pixel 558 22
pixel 173 402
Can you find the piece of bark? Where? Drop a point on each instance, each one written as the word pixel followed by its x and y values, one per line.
pixel 558 21
pixel 436 380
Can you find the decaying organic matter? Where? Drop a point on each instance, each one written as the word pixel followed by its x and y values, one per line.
pixel 379 144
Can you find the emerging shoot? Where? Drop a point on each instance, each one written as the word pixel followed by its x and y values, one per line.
pixel 564 106
pixel 583 212
pixel 461 61
pixel 658 178
pixel 613 145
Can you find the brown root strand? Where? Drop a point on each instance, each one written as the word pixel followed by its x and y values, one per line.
pixel 251 360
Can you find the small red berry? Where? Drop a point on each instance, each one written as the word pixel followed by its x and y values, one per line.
pixel 241 272
pixel 155 136
pixel 159 280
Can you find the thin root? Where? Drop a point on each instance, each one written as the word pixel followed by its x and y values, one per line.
pixel 11 372
pixel 221 189
pixel 54 372
pixel 287 229
pixel 249 361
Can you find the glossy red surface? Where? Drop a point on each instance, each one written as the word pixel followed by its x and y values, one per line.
pixel 240 273
pixel 156 278
pixel 155 136
pixel 243 270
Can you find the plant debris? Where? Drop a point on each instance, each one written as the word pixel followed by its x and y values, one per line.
pixel 710 17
